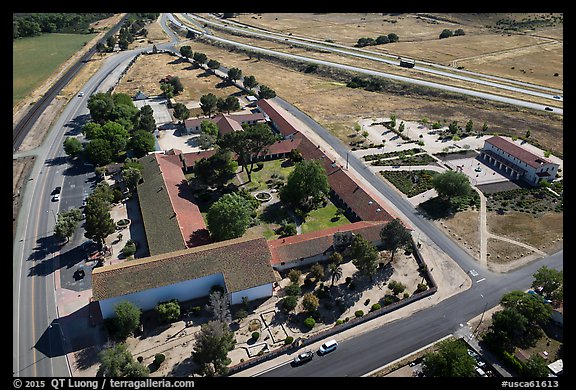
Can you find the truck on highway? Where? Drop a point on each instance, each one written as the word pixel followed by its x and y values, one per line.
pixel 407 63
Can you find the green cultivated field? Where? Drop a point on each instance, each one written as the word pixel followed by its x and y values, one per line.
pixel 34 59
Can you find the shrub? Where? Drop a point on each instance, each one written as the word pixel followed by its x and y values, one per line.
pixel 294 275
pixel 241 314
pixel 359 313
pixel 421 287
pixel 168 311
pixel 159 359
pixel 348 279
pixel 406 295
pixel 289 303
pixel 293 290
pixel 375 307
pixel 196 310
pixel 140 359
pixel 288 340
pixel 255 336
pixel 129 249
pixel 309 322
pixel 339 322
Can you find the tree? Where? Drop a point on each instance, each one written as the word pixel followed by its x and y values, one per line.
pixel 177 84
pixel 200 58
pixel 335 268
pixel 532 307
pixel 394 235
pixel 131 177
pixel 528 134
pixel 186 51
pixel 365 256
pixel 219 306
pixel 99 151
pixel 306 186
pixel 266 92
pixel 142 142
pixel 450 360
pixel 231 103
pixel 293 289
pixel 111 42
pixel 67 223
pixel 205 141
pixel 126 319
pixel 211 348
pixel 382 39
pixel 393 37
pixel 550 281
pixel 446 33
pixel 289 303
pixel 453 127
pixel 168 311
pixel 234 74
pixel 98 224
pixel 217 169
pixel 100 105
pixel 317 271
pixel 310 302
pixel 250 82
pixel 147 121
pixel 469 126
pixel 116 135
pixel 450 184
pixel 208 103
pixel 248 144
pixel 535 367
pixel 117 361
pixel 511 328
pixel 229 217
pixel 213 65
pixel 459 32
pixel 181 112
pixel 72 146
pixel 485 127
pixel 167 89
pixel 396 287
pixel 294 275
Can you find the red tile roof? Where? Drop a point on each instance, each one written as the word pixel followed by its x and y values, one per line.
pixel 188 214
pixel 276 114
pixel 518 152
pixel 227 123
pixel 305 245
pixel 190 158
pixel 244 262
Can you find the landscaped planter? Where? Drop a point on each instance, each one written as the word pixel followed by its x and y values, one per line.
pixel 263 196
pixel 122 224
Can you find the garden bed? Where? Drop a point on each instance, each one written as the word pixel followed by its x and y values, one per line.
pixel 411 183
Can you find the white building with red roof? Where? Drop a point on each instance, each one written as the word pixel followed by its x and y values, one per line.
pixel 518 162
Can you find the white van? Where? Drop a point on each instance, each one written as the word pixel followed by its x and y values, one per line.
pixel 328 346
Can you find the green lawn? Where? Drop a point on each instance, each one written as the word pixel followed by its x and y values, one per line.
pixel 323 218
pixel 36 58
pixel 263 179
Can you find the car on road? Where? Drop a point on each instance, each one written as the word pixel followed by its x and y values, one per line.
pixel 55 197
pixel 303 358
pixel 57 190
pixel 548 109
pixel 328 346
pixel 81 94
pixel 556 97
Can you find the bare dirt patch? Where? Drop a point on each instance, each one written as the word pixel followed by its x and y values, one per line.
pixel 545 232
pixel 148 70
pixel 338 108
pixel 463 227
pixel 21 168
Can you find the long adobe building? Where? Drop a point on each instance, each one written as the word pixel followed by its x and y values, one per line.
pixel 184 264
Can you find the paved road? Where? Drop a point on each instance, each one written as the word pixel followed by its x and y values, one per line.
pixel 410 80
pixel 390 59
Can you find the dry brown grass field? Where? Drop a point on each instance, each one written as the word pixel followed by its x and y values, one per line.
pixel 532 56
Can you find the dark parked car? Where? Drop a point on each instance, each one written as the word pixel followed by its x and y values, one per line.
pixel 303 358
pixel 56 191
pixel 548 109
